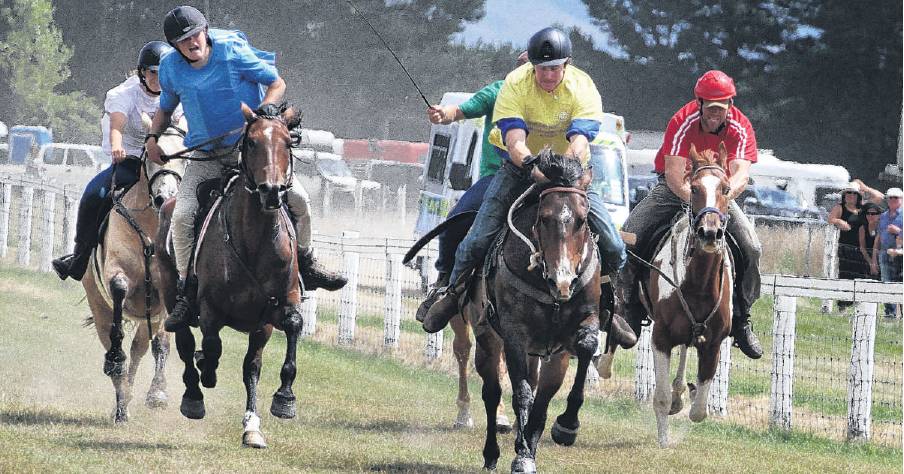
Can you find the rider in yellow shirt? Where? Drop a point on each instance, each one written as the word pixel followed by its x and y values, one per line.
pixel 548 102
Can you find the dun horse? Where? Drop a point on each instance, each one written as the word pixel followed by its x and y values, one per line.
pixel 247 271
pixel 538 297
pixel 126 280
pixel 696 312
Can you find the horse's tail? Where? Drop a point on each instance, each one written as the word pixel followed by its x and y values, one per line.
pixel 462 218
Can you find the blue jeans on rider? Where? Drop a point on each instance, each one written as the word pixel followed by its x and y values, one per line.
pixel 509 183
pixel 91 207
pixel 470 201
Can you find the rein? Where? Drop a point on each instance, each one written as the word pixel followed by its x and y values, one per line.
pixel 181 155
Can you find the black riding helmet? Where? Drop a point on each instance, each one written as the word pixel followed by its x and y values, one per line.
pixel 549 47
pixel 182 22
pixel 149 60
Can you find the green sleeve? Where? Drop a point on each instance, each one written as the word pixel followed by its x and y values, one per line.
pixel 482 102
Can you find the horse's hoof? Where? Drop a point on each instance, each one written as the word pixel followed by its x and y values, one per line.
pixel 563 436
pixel 524 465
pixel 253 439
pixel 208 378
pixel 192 409
pixel 156 399
pixel 697 415
pixel 677 404
pixel 282 407
pixel 503 425
pixel 489 465
pixel 463 424
pixel 114 365
pixel 120 416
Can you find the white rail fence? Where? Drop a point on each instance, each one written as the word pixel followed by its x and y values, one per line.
pixel 785 390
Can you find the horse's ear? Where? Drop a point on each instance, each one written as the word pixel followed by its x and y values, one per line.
pixel 586 179
pixel 292 117
pixel 694 156
pixel 249 114
pixel 723 156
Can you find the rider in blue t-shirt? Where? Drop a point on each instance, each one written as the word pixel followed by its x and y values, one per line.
pixel 211 73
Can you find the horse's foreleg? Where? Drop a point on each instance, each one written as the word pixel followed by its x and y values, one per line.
pixel 283 404
pixel 212 349
pixel 565 430
pixel 461 347
pixel 115 358
pixel 251 372
pixel 707 363
pixel 487 360
pixel 192 400
pixel 662 397
pixel 522 401
pixel 679 384
pixel 160 346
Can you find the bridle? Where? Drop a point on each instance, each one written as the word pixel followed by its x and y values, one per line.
pixel 696 218
pixel 173 130
pixel 250 183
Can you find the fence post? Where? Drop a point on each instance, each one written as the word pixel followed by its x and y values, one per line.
pixel 783 334
pixel 25 212
pixel 6 197
pixel 327 196
pixel 70 216
pixel 359 198
pixel 48 231
pixel 718 393
pixel 644 378
pixel 348 298
pixel 393 301
pixel 434 346
pixel 830 262
pixel 860 377
pixel 402 204
pixel 309 314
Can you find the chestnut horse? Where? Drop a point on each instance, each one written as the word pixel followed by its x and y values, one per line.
pixel 247 270
pixel 126 280
pixel 538 296
pixel 690 297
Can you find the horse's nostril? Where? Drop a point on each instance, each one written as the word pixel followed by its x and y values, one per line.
pixel 158 201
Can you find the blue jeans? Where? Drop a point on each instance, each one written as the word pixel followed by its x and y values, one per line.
pixel 94 204
pixel 470 201
pixel 509 183
pixel 890 273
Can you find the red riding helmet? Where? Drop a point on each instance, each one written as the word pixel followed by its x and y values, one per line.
pixel 715 85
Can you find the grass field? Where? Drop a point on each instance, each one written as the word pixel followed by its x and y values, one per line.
pixel 357 413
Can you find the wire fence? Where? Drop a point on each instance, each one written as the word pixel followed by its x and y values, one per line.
pixel 830 373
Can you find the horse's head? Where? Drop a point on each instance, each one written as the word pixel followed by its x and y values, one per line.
pixel 561 230
pixel 266 160
pixel 163 180
pixel 709 197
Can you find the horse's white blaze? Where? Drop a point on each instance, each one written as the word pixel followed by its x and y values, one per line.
pixel 251 422
pixel 711 184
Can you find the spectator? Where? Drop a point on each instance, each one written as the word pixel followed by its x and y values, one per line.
pixel 846 216
pixel 887 239
pixel 867 235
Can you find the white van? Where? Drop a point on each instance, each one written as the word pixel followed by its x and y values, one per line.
pixel 813 184
pixel 453 165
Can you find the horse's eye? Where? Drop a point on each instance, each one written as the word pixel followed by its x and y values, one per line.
pixel 693 190
pixel 726 190
pixel 251 144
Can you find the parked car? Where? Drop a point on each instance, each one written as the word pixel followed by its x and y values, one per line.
pixel 639 186
pixel 73 155
pixel 317 170
pixel 758 200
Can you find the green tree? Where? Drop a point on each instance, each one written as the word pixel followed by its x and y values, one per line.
pixel 34 61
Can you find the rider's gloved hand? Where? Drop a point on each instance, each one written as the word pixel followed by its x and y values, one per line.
pixel 528 163
pixel 269 110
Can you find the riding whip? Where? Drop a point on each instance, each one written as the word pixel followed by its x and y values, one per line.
pixel 390 50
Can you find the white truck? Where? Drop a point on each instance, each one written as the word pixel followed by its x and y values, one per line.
pixel 453 165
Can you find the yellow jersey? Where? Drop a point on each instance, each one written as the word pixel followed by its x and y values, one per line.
pixel 549 118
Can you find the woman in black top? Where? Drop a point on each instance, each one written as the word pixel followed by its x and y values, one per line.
pixel 867 234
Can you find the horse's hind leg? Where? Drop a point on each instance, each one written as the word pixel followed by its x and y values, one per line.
pixel 503 424
pixel 137 351
pixel 662 397
pixel 156 396
pixel 565 430
pixel 679 384
pixel 212 349
pixel 487 359
pixel 552 373
pixel 251 372
pixel 283 404
pixel 192 400
pixel 708 361
pixel 461 346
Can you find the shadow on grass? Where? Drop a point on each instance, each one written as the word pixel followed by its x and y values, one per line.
pixel 414 467
pixel 35 418
pixel 121 445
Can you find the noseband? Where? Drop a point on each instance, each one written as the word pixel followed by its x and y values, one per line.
pixel 250 184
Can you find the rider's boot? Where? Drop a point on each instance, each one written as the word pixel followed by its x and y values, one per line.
pixel 618 328
pixel 442 281
pixel 183 313
pixel 73 265
pixel 744 337
pixel 627 303
pixel 438 315
pixel 314 275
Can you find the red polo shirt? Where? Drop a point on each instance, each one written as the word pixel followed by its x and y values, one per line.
pixel 684 129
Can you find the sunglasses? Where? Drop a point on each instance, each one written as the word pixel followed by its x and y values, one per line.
pixel 873 213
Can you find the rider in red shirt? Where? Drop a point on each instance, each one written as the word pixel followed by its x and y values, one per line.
pixel 711 118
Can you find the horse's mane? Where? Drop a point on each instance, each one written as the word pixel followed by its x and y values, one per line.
pixel 561 170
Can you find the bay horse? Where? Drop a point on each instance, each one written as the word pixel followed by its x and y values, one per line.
pixel 538 296
pixel 126 280
pixel 690 296
pixel 247 270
